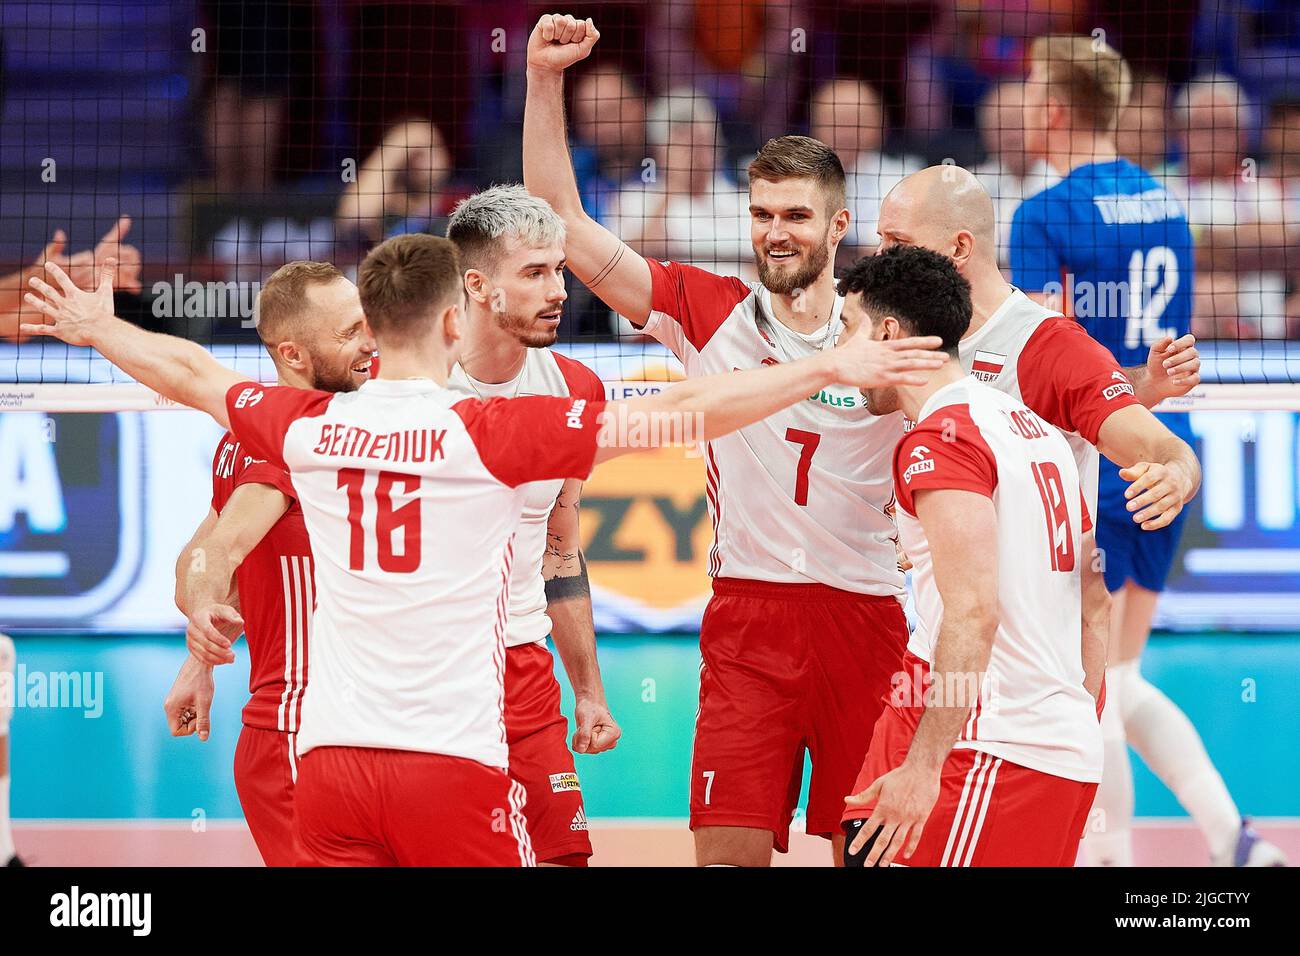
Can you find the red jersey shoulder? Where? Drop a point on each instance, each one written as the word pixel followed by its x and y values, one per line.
pixel 533 438
pixel 260 415
pixel 582 381
pixel 698 300
pixel 945 451
pixel 1070 379
pixel 233 466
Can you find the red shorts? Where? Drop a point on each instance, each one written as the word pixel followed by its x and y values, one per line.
pixel 990 811
pixel 537 733
pixel 788 667
pixel 265 767
pixel 361 806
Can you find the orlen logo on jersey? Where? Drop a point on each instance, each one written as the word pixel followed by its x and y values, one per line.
pixel 249 397
pixel 918 467
pixel 573 417
pixel 1121 387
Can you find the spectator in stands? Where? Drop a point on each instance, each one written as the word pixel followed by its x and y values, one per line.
pixel 683 207
pixel 1143 131
pixel 82 267
pixel 399 188
pixel 740 53
pixel 609 144
pixel 1236 212
pixel 1282 162
pixel 971 46
pixel 847 116
pixel 1008 172
pixel 253 71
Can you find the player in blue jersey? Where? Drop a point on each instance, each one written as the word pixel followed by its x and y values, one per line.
pixel 1111 247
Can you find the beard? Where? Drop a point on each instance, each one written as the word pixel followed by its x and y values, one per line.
pixel 521 327
pixel 881 401
pixel 326 378
pixel 779 281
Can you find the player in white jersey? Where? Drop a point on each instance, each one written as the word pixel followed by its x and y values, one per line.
pixel 412 496
pixel 511 248
pixel 989 751
pixel 805 626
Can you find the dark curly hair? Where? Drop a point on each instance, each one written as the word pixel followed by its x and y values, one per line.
pixel 921 289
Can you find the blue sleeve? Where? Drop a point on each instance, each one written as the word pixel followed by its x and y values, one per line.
pixel 1036 260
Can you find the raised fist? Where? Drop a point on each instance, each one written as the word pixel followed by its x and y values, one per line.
pixel 559 41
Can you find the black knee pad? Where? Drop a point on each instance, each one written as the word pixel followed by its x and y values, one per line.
pixel 851 830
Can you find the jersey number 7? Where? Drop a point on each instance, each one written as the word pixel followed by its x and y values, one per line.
pixel 388 521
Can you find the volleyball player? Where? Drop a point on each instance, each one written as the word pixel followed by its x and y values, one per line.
pixel 805 626
pixel 511 249
pixel 248 566
pixel 989 751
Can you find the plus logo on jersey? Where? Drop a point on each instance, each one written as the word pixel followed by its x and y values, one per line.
pixel 573 417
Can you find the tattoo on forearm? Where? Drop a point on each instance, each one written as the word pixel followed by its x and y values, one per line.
pixel 571 585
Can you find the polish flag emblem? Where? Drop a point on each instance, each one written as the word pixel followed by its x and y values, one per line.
pixel 987 365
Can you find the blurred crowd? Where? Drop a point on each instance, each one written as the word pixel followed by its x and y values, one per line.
pixel 425 100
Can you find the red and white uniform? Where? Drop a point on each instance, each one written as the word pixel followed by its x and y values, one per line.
pixel 276 594
pixel 536 730
pixel 1034 727
pixel 412 496
pixel 1052 365
pixel 805 626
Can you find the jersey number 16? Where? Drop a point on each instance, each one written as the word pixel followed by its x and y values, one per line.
pixel 389 521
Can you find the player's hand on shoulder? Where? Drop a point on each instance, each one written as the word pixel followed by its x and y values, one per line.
pixel 1174 366
pixel 874 363
pixel 903 800
pixel 597 731
pixel 559 41
pixel 1156 494
pixel 211 631
pixel 189 703
pixel 71 314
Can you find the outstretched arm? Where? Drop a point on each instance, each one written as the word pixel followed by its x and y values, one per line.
pixel 705 408
pixel 604 263
pixel 180 370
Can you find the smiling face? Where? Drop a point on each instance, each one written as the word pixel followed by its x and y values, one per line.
pixel 336 339
pixel 794 234
pixel 526 294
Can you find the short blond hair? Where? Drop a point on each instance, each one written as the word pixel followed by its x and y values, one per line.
pixel 282 302
pixel 1087 75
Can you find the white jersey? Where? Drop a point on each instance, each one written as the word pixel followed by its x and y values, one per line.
pixel 544 373
pixel 411 496
pixel 803 495
pixel 1050 364
pixel 1032 709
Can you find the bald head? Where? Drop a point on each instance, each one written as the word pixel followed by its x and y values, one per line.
pixel 933 207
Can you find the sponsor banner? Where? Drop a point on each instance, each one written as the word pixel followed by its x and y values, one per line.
pixel 95 507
